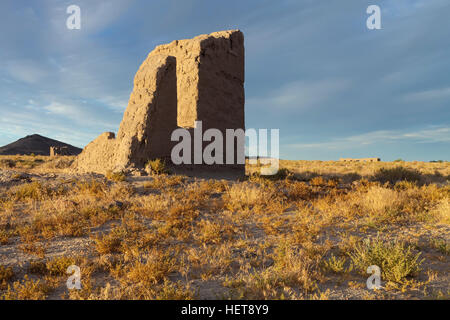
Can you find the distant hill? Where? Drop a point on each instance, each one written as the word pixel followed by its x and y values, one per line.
pixel 36 144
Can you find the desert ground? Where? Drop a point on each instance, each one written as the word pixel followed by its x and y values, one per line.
pixel 310 232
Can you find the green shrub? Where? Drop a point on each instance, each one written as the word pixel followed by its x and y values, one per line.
pixel 395 259
pixel 156 166
pixel 336 265
pixel 58 265
pixel 441 245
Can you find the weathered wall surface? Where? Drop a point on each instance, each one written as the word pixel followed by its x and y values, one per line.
pixel 151 114
pixel 98 156
pixel 221 81
pixel 200 79
pixel 360 159
pixel 146 126
pixel 210 79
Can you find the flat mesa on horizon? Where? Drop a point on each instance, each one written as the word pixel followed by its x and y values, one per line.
pixel 38 145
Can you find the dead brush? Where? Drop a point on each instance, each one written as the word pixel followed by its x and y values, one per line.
pixel 299 191
pixel 28 233
pixel 56 266
pixel 27 289
pixel 34 190
pixel 164 181
pixel 7 163
pixel 91 187
pixel 273 225
pixel 151 268
pixel 153 204
pixel 318 181
pixel 97 216
pixel 164 291
pixel 209 261
pixel 213 232
pixel 4 236
pixel 6 274
pixel 36 249
pixel 401 205
pixel 306 226
pixel 116 176
pixel 60 224
pixel 292 268
pixel 179 221
pixel 441 211
pixel 246 195
pixel 111 242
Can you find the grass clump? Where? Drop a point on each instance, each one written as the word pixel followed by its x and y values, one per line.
pixel 336 265
pixel 58 265
pixel 153 268
pixel 116 176
pixel 54 267
pixel 34 190
pixel 441 245
pixel 156 166
pixel 6 274
pixel 27 289
pixel 111 242
pixel 4 236
pixel 395 259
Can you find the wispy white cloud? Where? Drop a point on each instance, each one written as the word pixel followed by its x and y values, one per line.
pixel 300 94
pixel 66 110
pixel 79 113
pixel 431 135
pixel 116 103
pixel 421 96
pixel 27 71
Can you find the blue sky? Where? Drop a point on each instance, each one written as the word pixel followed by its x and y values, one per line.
pixel 313 70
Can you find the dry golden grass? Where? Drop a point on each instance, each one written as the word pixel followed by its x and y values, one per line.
pixel 307 233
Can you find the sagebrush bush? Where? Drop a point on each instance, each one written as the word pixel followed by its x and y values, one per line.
pixel 336 264
pixel 395 259
pixel 156 166
pixel 396 174
pixel 58 265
